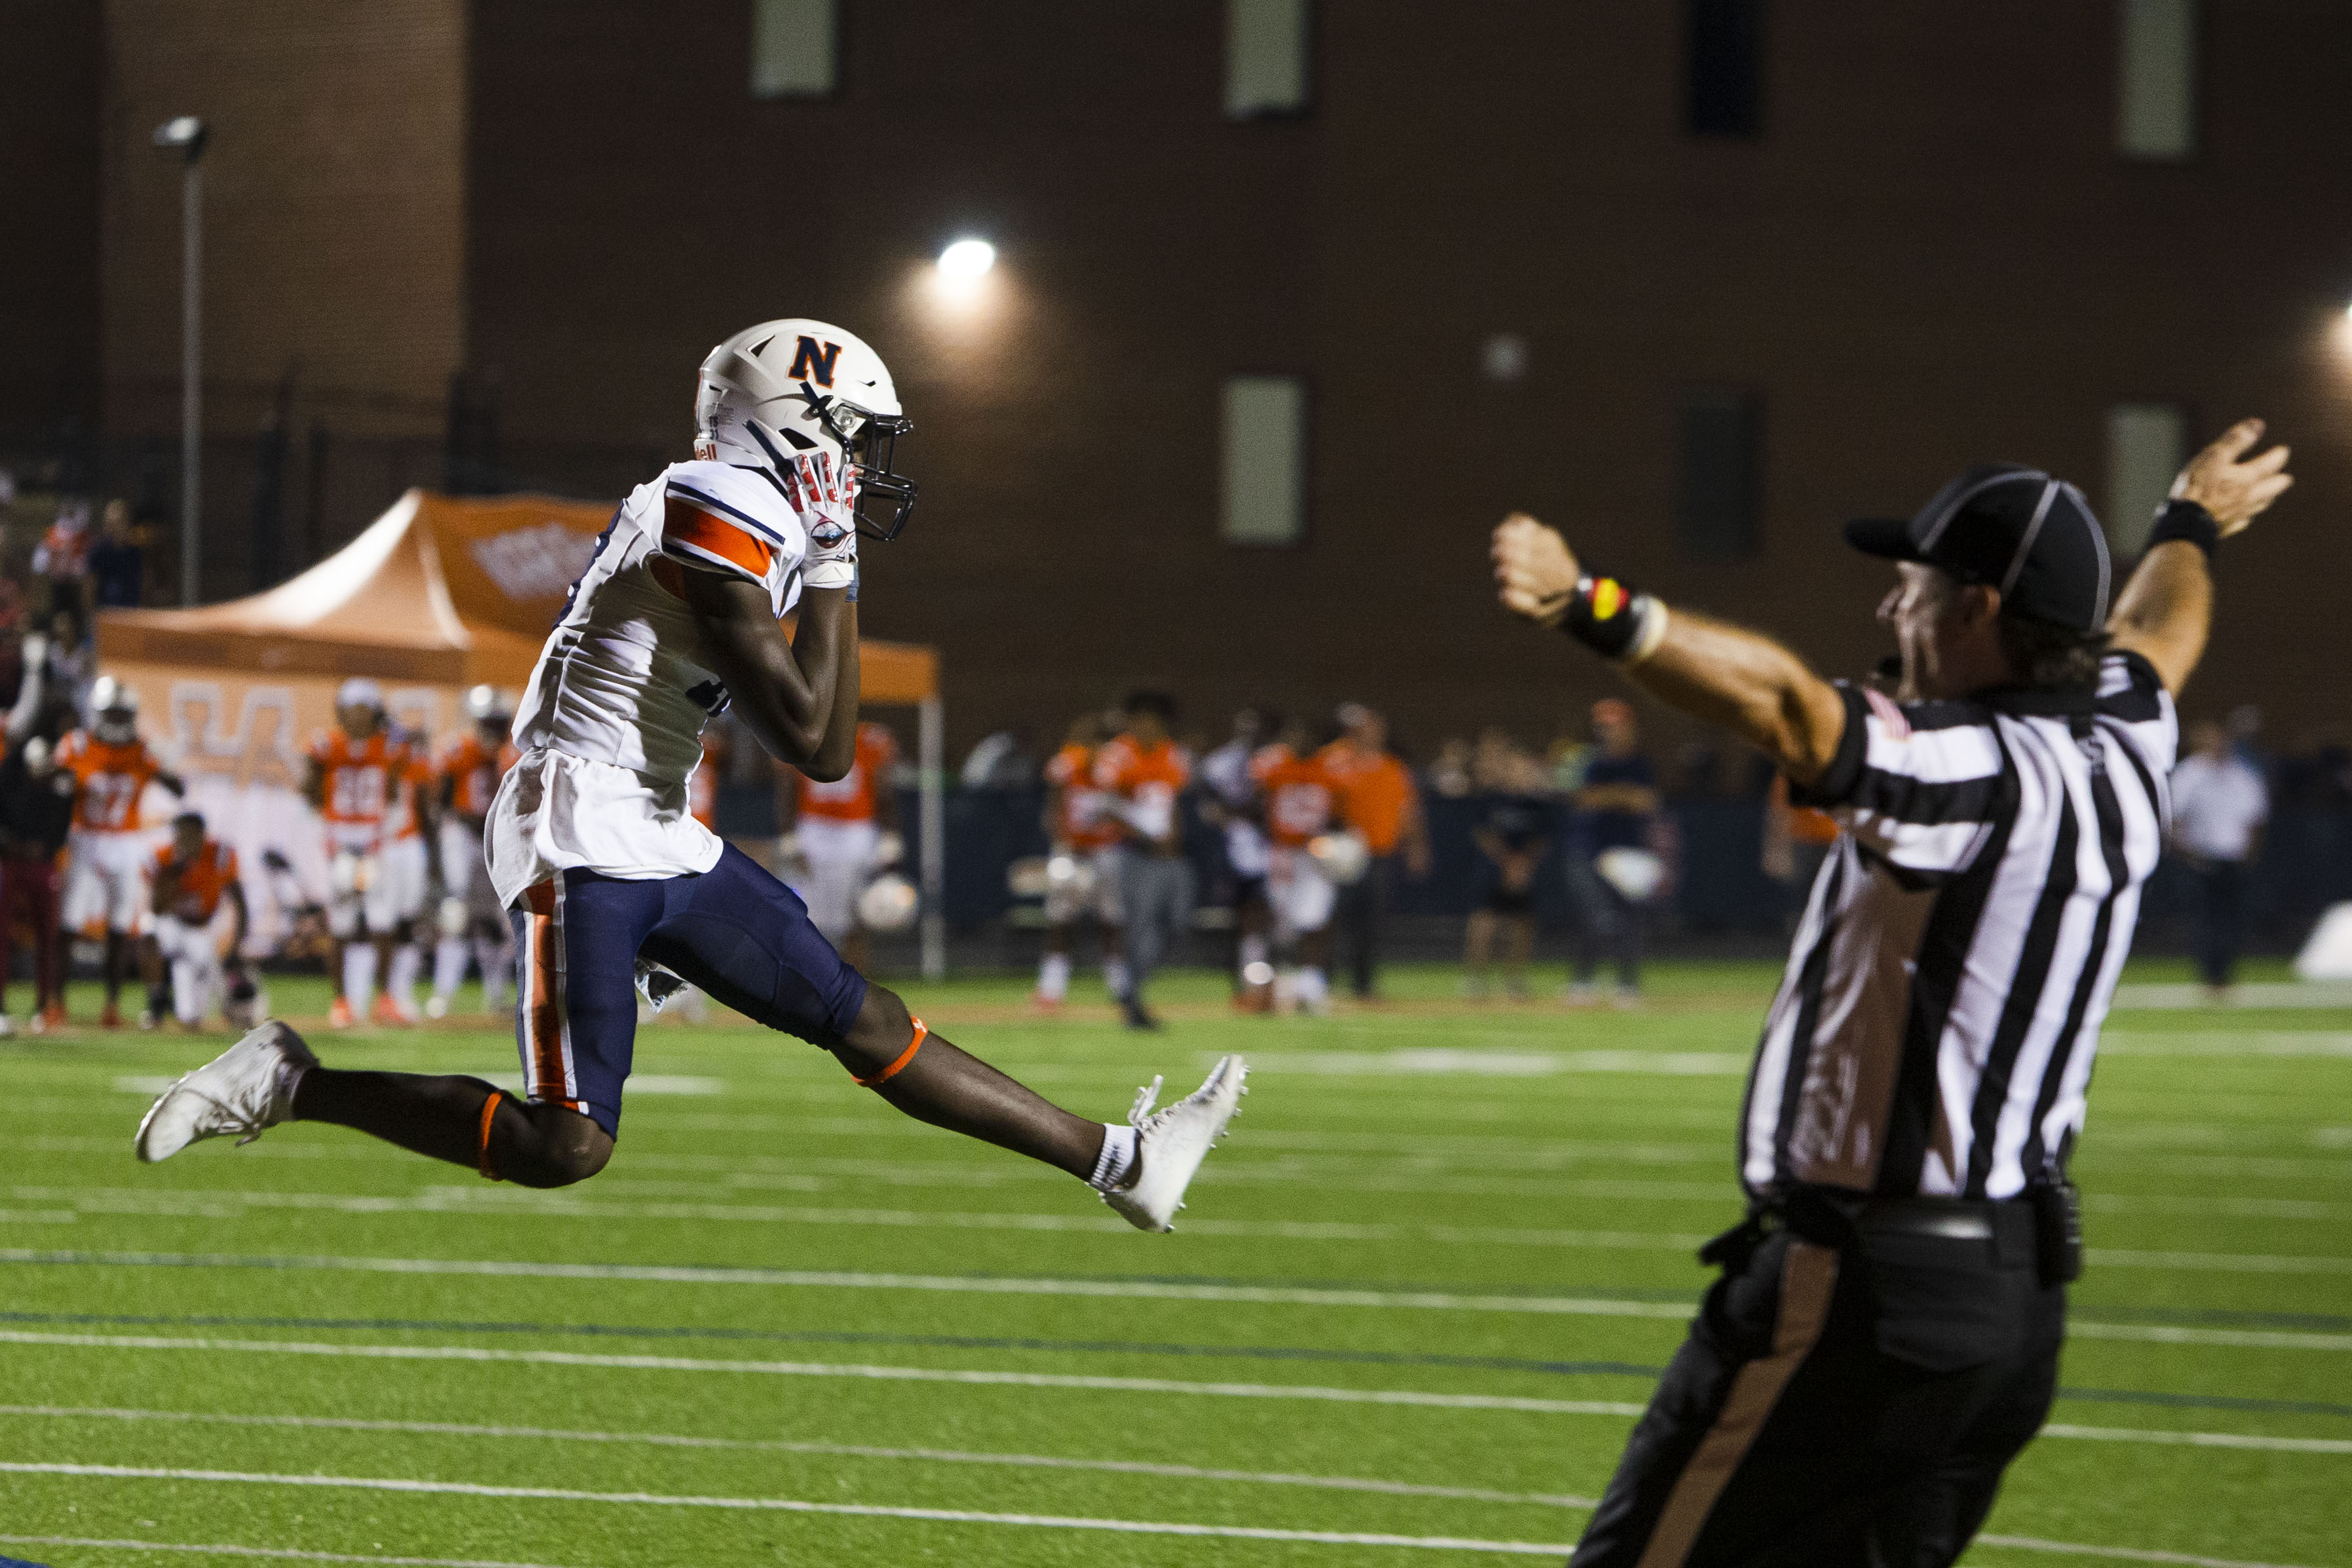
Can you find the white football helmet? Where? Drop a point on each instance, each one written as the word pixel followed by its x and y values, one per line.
pixel 888 903
pixel 485 703
pixel 113 711
pixel 796 385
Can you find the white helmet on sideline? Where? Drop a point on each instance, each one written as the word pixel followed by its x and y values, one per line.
pixel 113 711
pixel 797 386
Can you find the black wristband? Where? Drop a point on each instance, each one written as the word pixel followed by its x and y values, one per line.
pixel 2185 520
pixel 1607 617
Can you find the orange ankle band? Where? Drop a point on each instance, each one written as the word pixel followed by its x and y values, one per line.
pixel 905 1056
pixel 482 1162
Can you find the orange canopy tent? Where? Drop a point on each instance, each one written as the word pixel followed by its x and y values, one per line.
pixel 441 590
pixel 438 594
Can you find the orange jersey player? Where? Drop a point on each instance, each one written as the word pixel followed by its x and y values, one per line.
pixel 1082 868
pixel 356 779
pixel 1301 795
pixel 106 881
pixel 1302 801
pixel 473 928
pixel 1144 771
pixel 195 878
pixel 846 830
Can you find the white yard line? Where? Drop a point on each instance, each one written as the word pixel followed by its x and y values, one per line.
pixel 482 1201
pixel 2220 1042
pixel 227 1551
pixel 828 1369
pixel 936 1515
pixel 1428 1061
pixel 2244 1339
pixel 796 1505
pixel 2200 1439
pixel 843 1450
pixel 984 1285
pixel 2121 1553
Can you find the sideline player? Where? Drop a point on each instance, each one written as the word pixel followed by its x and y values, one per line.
pixel 1079 830
pixel 352 778
pixel 1142 771
pixel 194 876
pixel 469 921
pixel 846 829
pixel 411 869
pixel 1885 1338
pixel 677 616
pixel 1232 801
pixel 36 813
pixel 1300 805
pixel 106 882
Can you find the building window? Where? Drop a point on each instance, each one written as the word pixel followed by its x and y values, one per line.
pixel 795 47
pixel 1266 460
pixel 2147 445
pixel 2155 78
pixel 1266 54
pixel 1717 451
pixel 1724 86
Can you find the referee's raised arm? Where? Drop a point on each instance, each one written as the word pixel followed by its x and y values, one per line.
pixel 1739 679
pixel 2167 608
pixel 1884 1337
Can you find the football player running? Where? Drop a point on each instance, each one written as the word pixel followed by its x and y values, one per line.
pixel 605 872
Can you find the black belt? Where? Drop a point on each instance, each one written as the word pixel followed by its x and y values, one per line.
pixel 2042 1228
pixel 1950 1218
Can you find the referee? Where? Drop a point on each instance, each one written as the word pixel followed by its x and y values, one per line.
pixel 1884 1336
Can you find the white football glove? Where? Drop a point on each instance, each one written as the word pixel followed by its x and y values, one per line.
pixel 827 499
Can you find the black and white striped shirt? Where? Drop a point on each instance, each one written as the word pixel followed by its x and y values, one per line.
pixel 1935 1030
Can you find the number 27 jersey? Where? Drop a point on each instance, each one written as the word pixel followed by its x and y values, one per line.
pixel 624 678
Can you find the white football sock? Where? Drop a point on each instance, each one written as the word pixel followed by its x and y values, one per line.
pixel 1054 976
pixel 359 975
pixel 407 963
pixel 1117 1161
pixel 1115 976
pixel 1314 987
pixel 449 956
pixel 1252 951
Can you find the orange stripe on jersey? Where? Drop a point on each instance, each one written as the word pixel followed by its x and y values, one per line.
pixel 707 536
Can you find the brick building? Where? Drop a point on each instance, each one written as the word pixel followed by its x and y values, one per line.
pixel 1697 279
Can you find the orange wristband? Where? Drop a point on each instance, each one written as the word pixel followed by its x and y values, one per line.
pixel 905 1056
pixel 482 1159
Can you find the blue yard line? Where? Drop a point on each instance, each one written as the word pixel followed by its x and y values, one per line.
pixel 1088 1347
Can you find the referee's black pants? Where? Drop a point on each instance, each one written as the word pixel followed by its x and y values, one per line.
pixel 1839 1405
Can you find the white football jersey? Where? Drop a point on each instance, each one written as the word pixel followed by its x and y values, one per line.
pixel 610 725
pixel 624 678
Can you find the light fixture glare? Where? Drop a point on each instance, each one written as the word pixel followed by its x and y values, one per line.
pixel 967 260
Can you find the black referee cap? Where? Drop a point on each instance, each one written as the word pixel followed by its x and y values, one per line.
pixel 2011 527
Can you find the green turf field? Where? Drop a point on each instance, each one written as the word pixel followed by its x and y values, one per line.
pixel 1416 1300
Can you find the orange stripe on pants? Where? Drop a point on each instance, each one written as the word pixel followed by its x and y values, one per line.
pixel 543 1008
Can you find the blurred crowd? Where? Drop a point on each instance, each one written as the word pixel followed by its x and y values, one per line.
pixel 1297 839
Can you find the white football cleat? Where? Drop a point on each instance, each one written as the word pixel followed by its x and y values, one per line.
pixel 245 1090
pixel 1169 1145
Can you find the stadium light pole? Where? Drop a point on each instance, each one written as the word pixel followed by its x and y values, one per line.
pixel 185 135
